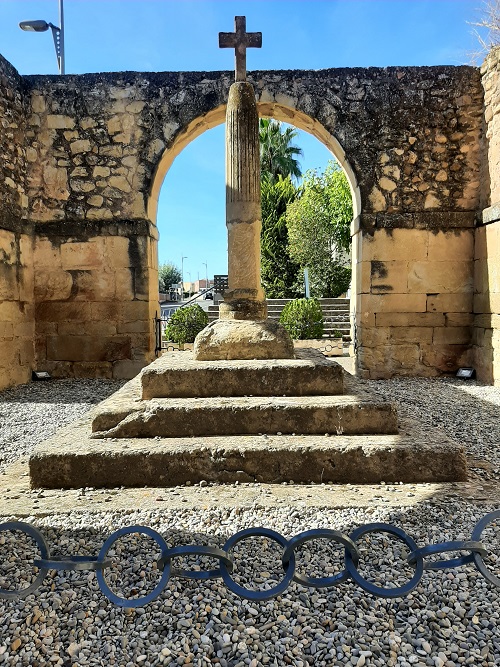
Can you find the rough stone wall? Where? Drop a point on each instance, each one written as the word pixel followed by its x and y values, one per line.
pixel 98 145
pixel 95 291
pixel 413 245
pixel 487 250
pixel 16 255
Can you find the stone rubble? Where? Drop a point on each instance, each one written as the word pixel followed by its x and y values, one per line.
pixel 450 620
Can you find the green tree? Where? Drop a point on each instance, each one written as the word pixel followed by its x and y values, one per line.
pixel 168 274
pixel 279 273
pixel 318 224
pixel 278 155
pixel 185 324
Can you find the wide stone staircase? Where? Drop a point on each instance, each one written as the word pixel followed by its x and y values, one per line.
pixel 269 421
pixel 335 314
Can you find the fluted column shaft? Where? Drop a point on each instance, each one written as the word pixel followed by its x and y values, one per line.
pixel 245 297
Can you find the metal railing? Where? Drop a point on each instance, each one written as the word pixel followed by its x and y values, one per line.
pixel 160 323
pixel 416 558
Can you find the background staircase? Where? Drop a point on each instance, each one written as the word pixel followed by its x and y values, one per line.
pixel 335 314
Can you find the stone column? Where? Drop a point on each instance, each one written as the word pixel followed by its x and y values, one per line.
pixel 245 299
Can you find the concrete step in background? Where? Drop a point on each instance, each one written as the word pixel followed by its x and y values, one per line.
pixel 334 311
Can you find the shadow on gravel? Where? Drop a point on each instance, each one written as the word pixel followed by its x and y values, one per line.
pixel 62 391
pixel 457 408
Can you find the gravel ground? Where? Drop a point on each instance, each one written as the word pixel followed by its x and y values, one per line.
pixel 450 619
pixel 31 413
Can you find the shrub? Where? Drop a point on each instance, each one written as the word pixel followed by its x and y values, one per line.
pixel 185 324
pixel 303 319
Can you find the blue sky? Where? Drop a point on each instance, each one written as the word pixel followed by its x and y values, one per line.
pixel 161 35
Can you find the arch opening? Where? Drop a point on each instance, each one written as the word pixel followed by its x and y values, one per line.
pixel 268 110
pixel 290 116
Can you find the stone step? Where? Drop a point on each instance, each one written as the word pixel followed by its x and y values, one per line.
pixel 71 459
pixel 322 301
pixel 245 415
pixel 178 375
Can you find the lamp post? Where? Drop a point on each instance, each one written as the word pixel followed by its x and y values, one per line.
pixel 57 34
pixel 182 278
pixel 205 264
pixel 189 274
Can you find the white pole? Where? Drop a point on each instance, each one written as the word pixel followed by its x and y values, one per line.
pixel 62 63
pixel 306 283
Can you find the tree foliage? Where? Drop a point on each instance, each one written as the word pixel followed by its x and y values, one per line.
pixel 318 223
pixel 279 273
pixel 303 319
pixel 487 27
pixel 278 154
pixel 185 324
pixel 168 274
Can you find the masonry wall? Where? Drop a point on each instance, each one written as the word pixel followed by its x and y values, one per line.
pixel 413 244
pixel 95 295
pixel 487 252
pixel 16 253
pixel 91 152
pixel 96 282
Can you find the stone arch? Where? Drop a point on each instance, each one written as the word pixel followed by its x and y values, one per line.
pixel 280 112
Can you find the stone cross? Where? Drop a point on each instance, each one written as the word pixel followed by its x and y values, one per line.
pixel 240 40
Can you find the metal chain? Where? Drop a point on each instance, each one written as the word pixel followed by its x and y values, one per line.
pixel 416 559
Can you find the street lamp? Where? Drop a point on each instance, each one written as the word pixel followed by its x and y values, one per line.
pixel 57 34
pixel 189 274
pixel 205 264
pixel 182 278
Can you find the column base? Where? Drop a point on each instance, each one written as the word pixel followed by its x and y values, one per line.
pixel 243 339
pixel 243 305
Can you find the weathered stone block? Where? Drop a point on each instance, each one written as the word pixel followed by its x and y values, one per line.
pixel 487 303
pixel 9 284
pixel 83 255
pixel 450 303
pixel 395 245
pixel 88 348
pixel 411 334
pixel 243 339
pixel 394 303
pixel 410 320
pixel 59 122
pixel 52 285
pixel 125 284
pixel 126 369
pixel 107 311
pixel 8 247
pixel 441 277
pixel 62 311
pixel 46 254
pixel 117 251
pixel 459 319
pixel 453 336
pixel 451 244
pixel 371 337
pixel 178 375
pixel 389 277
pixel 93 369
pixel 446 358
pixel 388 360
pixel 130 311
pixel 100 328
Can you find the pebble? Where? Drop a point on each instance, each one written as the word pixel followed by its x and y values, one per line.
pixel 450 619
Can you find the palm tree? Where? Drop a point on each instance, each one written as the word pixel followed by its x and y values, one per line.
pixel 278 155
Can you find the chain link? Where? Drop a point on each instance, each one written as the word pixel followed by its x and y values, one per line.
pixel 102 563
